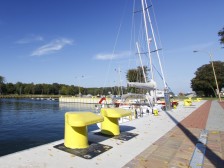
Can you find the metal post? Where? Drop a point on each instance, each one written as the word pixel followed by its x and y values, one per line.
pixel 217 86
pixel 210 55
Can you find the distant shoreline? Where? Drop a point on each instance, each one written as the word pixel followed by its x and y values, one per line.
pixel 16 96
pixel 30 96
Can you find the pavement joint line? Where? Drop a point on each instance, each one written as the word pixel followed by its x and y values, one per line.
pixel 197 159
pixel 203 137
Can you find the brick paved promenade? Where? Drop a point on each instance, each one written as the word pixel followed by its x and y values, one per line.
pixel 175 148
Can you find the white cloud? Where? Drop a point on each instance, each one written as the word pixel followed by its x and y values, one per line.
pixel 113 56
pixel 53 46
pixel 30 39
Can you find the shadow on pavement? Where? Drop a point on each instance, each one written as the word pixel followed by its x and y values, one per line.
pixel 209 154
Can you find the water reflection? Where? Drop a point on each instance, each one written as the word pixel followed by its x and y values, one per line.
pixel 26 123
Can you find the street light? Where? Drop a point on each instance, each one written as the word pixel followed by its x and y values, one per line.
pixel 210 55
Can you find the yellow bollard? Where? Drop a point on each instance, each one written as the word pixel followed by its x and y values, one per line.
pixel 174 106
pixel 187 102
pixel 155 111
pixel 76 137
pixel 76 134
pixel 110 125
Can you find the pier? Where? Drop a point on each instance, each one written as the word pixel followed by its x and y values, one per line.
pixel 166 140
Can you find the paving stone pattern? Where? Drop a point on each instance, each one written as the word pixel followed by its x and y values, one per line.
pixel 175 148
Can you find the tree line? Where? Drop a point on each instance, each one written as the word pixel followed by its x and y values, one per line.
pixel 133 75
pixel 53 89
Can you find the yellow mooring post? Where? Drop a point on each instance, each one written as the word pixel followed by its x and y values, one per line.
pixel 156 112
pixel 76 133
pixel 187 102
pixel 174 106
pixel 110 125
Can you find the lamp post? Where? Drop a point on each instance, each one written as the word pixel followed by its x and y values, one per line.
pixel 210 55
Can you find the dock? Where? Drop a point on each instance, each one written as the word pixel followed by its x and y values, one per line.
pixel 166 140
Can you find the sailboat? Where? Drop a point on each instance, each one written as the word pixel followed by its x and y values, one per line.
pixel 149 85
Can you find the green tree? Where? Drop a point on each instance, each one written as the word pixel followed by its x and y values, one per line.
pixel 71 90
pixel 19 88
pixel 46 88
pixel 29 88
pixel 221 34
pixel 2 80
pixel 64 90
pixel 55 88
pixel 39 89
pixel 10 88
pixel 204 81
pixel 136 75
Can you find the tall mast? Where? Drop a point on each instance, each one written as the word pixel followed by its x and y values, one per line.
pixel 157 52
pixel 141 61
pixel 147 40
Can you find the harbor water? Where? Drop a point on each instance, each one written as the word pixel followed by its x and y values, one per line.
pixel 27 123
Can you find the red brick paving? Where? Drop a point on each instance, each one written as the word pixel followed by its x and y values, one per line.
pixel 198 118
pixel 222 104
pixel 175 148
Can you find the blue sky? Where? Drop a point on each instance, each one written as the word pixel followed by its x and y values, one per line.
pixel 85 42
